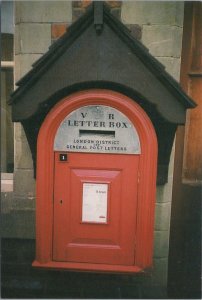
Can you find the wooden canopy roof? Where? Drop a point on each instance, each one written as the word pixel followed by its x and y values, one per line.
pixel 98 51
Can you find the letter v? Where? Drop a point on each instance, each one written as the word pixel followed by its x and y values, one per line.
pixel 84 115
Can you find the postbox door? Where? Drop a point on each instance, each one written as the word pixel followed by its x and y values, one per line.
pixel 95 198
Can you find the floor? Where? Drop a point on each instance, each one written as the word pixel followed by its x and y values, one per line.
pixel 21 280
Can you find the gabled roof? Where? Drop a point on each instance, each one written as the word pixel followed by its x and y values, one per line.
pixel 98 50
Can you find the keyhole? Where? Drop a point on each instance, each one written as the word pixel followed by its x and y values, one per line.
pixel 61 202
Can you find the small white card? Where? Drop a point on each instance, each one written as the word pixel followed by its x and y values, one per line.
pixel 94 206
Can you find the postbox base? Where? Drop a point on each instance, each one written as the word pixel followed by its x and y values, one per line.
pixel 86 267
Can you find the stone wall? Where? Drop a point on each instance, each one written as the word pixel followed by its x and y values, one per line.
pixel 159 26
pixel 33 27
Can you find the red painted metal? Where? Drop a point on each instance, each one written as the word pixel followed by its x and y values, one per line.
pixel 111 243
pixel 138 220
pixel 88 267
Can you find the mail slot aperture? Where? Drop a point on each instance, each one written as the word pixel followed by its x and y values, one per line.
pixel 97 133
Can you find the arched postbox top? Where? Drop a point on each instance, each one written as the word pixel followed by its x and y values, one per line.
pixel 132 118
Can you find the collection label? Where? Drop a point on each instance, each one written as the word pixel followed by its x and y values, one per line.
pixel 98 129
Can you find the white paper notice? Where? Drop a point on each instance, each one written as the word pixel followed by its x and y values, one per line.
pixel 94 208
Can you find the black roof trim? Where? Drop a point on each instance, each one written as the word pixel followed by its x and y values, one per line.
pixel 75 30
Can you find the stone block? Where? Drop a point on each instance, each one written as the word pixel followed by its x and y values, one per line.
pixel 161 244
pixel 23 157
pixel 164 192
pixel 152 12
pixel 6 182
pixel 17 13
pixel 6 201
pixel 179 13
pixel 19 133
pixel 162 40
pixel 172 66
pixel 6 185
pixel 23 203
pixel 159 276
pixel 43 11
pixel 162 216
pixel 32 38
pixel 18 224
pixel 6 176
pixel 24 183
pixel 23 64
pixel 171 164
pixel 17 41
pixel 10 203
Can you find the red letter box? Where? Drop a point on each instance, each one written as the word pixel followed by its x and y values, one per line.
pixel 96 178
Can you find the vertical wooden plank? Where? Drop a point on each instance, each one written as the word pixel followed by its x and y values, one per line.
pixel 184 266
pixel 192 83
